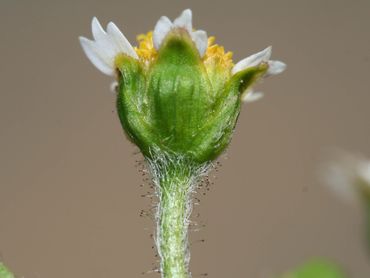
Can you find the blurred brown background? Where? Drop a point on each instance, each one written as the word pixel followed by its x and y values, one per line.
pixel 69 188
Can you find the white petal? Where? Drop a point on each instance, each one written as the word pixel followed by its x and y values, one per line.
pixel 251 96
pixel 253 60
pixel 107 45
pixel 122 44
pixel 97 56
pixel 113 87
pixel 97 31
pixel 184 20
pixel 275 67
pixel 161 29
pixel 201 41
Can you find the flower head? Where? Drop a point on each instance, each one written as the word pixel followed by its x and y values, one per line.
pixel 178 91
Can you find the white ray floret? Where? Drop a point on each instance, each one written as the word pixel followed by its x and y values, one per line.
pixel 185 20
pixel 114 86
pixel 251 96
pixel 105 47
pixel 274 67
pixel 253 60
pixel 164 26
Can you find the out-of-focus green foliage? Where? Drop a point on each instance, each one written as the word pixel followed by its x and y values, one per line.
pixel 4 272
pixel 317 268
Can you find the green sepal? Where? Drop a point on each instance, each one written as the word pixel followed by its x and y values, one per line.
pixel 246 78
pixel 132 106
pixel 217 132
pixel 179 92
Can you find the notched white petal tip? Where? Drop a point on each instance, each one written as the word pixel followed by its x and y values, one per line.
pixel 120 40
pixel 184 20
pixel 96 56
pixel 252 96
pixel 275 67
pixel 97 30
pixel 106 46
pixel 253 60
pixel 164 26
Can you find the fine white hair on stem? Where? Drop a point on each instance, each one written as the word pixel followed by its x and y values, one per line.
pixel 175 178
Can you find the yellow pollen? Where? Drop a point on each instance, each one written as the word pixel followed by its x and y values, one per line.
pixel 146 50
pixel 215 54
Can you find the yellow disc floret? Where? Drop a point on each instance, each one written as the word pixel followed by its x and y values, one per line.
pixel 146 50
pixel 215 55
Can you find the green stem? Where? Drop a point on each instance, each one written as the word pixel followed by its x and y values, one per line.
pixel 173 226
pixel 175 179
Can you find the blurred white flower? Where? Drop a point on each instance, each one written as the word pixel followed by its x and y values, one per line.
pixel 347 174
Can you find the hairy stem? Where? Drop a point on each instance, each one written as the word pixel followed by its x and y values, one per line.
pixel 175 179
pixel 172 231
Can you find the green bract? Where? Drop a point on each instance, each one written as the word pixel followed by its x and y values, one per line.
pixel 176 104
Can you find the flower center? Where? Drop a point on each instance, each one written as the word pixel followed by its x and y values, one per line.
pixel 215 54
